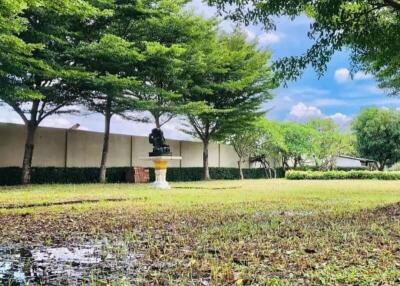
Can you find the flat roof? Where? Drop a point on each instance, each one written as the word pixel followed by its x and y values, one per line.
pixel 356 158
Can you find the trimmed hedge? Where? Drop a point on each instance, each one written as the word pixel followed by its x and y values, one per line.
pixel 342 175
pixel 315 168
pixel 52 175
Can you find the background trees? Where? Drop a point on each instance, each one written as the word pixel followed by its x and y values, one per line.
pixel 378 135
pixel 244 141
pixel 329 142
pixel 300 141
pixel 233 78
pixel 34 75
pixel 270 145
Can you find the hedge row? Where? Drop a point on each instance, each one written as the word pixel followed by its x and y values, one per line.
pixel 315 168
pixel 53 175
pixel 341 175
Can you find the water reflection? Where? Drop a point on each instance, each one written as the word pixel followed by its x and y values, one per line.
pixel 72 265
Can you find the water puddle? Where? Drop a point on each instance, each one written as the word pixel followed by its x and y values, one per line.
pixel 72 265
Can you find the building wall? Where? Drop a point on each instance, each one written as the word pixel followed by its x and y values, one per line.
pixel 347 162
pixel 75 148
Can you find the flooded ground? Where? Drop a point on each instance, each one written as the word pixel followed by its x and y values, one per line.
pixel 72 265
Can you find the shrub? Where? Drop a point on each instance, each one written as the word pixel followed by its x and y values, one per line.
pixel 395 167
pixel 54 175
pixel 341 175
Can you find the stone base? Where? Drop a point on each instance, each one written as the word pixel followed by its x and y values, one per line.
pixel 161 166
pixel 161 179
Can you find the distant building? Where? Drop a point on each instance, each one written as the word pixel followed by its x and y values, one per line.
pixel 343 161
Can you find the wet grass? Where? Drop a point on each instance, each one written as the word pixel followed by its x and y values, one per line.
pixel 258 232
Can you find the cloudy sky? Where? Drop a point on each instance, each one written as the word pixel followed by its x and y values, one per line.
pixel 335 95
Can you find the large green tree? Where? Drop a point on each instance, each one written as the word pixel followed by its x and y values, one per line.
pixel 329 143
pixel 233 78
pixel 244 142
pixel 378 135
pixel 369 28
pixel 270 146
pixel 132 60
pixel 106 77
pixel 300 143
pixel 169 37
pixel 34 75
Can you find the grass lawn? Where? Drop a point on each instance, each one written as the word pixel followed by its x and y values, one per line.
pixel 255 232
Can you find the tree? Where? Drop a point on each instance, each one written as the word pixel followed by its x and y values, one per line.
pixel 369 28
pixel 329 143
pixel 378 135
pixel 244 141
pixel 168 37
pixel 299 141
pixel 133 62
pixel 107 68
pixel 33 73
pixel 232 77
pixel 270 146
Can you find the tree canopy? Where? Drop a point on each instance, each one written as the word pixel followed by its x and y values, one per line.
pixel 378 135
pixel 369 28
pixel 34 73
pixel 233 78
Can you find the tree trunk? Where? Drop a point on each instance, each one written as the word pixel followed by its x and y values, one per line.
pixel 157 121
pixel 381 166
pixel 28 153
pixel 206 171
pixel 104 155
pixel 240 169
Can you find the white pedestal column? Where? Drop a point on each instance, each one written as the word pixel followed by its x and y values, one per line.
pixel 160 167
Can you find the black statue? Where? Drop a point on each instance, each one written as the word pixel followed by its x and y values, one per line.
pixel 159 147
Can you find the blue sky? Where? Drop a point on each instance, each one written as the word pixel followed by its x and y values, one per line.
pixel 334 95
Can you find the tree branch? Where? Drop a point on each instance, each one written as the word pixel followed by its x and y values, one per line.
pixel 167 120
pixel 19 111
pixel 393 3
pixel 51 112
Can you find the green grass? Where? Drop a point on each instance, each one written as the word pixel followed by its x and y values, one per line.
pixel 255 232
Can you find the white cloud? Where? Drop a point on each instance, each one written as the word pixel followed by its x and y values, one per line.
pixel 342 75
pixel 270 38
pixel 287 98
pixel 363 76
pixel 251 36
pixel 341 119
pixel 265 38
pixel 302 113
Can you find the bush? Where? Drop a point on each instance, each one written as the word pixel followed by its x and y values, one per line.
pixel 315 168
pixel 53 175
pixel 395 167
pixel 341 175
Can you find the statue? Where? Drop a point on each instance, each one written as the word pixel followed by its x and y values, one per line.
pixel 159 147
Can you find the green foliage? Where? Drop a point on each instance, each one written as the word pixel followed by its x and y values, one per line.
pixel 232 77
pixel 166 41
pixel 270 144
pixel 300 142
pixel 329 142
pixel 368 27
pixel 55 175
pixel 341 175
pixel 378 135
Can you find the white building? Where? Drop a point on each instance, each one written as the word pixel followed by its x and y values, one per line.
pixel 343 161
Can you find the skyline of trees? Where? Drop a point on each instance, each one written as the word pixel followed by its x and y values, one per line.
pixel 120 57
